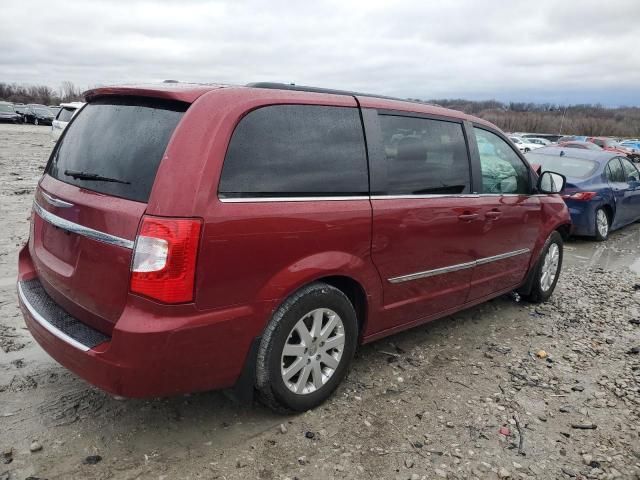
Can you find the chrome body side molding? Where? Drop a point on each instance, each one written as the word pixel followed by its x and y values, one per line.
pixel 457 267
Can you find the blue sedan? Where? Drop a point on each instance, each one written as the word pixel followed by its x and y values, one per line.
pixel 602 189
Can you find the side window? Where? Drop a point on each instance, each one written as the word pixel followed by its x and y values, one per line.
pixel 630 170
pixel 502 170
pixel 615 172
pixel 296 150
pixel 424 156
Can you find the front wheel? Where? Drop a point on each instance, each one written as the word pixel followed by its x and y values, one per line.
pixel 35 121
pixel 547 270
pixel 306 348
pixel 602 225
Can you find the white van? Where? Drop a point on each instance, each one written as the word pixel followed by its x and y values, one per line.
pixel 65 114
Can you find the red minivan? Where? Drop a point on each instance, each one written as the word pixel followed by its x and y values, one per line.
pixel 188 237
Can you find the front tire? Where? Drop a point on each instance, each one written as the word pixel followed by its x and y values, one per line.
pixel 35 121
pixel 306 349
pixel 547 270
pixel 603 225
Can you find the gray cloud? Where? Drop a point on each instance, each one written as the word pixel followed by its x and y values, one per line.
pixel 568 51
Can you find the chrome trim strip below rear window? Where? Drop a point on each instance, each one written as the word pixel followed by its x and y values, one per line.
pixel 69 226
pixel 56 202
pixel 292 199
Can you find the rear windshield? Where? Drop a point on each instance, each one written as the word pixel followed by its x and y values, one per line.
pixel 119 140
pixel 567 166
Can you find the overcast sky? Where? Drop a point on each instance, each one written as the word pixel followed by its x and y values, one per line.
pixel 565 51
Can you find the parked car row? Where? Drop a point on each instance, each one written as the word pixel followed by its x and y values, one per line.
pixel 40 114
pixel 629 147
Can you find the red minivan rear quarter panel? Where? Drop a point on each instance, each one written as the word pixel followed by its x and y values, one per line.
pixel 256 251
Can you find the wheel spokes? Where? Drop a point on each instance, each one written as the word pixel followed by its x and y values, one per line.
pixel 329 327
pixel 292 350
pixel 303 333
pixel 329 361
pixel 294 368
pixel 303 378
pixel 334 342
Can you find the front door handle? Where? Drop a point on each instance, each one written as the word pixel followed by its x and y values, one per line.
pixel 467 217
pixel 493 214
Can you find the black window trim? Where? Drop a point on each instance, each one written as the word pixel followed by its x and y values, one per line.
pixel 532 175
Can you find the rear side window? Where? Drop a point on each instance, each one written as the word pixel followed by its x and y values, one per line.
pixel 615 172
pixel 119 142
pixel 65 114
pixel 424 156
pixel 296 150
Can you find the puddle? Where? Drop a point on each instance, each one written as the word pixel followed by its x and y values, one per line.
pixel 620 252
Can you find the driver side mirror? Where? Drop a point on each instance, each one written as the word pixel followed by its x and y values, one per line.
pixel 551 182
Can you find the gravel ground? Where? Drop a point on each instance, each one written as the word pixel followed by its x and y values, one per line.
pixel 503 390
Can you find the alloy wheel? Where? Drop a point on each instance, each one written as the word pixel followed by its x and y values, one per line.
pixel 602 222
pixel 313 351
pixel 550 267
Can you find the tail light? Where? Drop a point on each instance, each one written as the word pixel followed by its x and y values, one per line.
pixel 164 258
pixel 581 196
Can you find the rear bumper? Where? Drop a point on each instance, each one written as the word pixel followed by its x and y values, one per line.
pixel 582 218
pixel 147 355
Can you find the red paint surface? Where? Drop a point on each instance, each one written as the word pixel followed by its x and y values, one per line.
pixel 253 255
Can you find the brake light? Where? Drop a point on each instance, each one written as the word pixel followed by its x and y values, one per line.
pixel 164 258
pixel 581 196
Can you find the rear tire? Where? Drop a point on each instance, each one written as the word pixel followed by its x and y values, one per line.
pixel 547 270
pixel 35 121
pixel 602 225
pixel 318 326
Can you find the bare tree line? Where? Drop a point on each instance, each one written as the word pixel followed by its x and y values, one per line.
pixel 586 119
pixel 42 94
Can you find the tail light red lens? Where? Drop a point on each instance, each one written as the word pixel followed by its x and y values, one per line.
pixel 164 258
pixel 581 196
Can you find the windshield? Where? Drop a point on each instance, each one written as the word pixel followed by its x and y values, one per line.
pixel 515 140
pixel 43 111
pixel 122 139
pixel 569 167
pixel 6 108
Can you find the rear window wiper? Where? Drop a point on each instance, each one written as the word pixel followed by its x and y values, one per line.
pixel 93 176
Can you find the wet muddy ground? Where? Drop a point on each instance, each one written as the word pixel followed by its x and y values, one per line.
pixel 503 390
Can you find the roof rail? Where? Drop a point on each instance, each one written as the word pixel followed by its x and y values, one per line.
pixel 304 88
